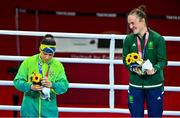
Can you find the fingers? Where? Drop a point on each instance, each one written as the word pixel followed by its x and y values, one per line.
pixel 46 83
pixel 135 69
pixel 150 72
pixel 45 78
pixel 36 87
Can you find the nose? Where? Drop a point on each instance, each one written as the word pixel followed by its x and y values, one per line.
pixel 47 57
pixel 130 26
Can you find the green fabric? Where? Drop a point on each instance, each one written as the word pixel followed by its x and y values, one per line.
pixel 155 51
pixel 32 104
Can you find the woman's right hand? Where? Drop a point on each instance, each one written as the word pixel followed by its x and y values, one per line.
pixel 36 87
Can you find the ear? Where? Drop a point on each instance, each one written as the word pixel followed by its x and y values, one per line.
pixel 40 50
pixel 142 20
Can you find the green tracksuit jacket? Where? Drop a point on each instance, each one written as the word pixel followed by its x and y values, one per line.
pixel 155 51
pixel 32 104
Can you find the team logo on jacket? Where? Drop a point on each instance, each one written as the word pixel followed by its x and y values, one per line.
pixel 150 45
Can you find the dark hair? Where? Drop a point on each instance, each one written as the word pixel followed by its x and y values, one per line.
pixel 48 40
pixel 140 12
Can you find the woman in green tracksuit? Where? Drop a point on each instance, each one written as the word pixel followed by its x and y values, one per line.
pixel 149 86
pixel 41 77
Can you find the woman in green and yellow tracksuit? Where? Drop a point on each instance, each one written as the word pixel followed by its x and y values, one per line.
pixel 40 97
pixel 151 46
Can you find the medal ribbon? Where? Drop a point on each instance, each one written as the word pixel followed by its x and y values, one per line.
pixel 140 51
pixel 40 68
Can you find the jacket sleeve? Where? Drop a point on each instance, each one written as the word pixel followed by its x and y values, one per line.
pixel 126 51
pixel 161 54
pixel 21 79
pixel 61 84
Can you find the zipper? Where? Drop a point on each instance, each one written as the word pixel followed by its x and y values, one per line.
pixel 39 106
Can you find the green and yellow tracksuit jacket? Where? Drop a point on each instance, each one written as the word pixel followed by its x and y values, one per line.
pixel 32 104
pixel 155 51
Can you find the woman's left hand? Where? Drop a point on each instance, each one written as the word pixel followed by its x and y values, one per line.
pixel 150 71
pixel 46 83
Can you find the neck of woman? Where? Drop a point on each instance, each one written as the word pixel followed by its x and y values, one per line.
pixel 142 32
